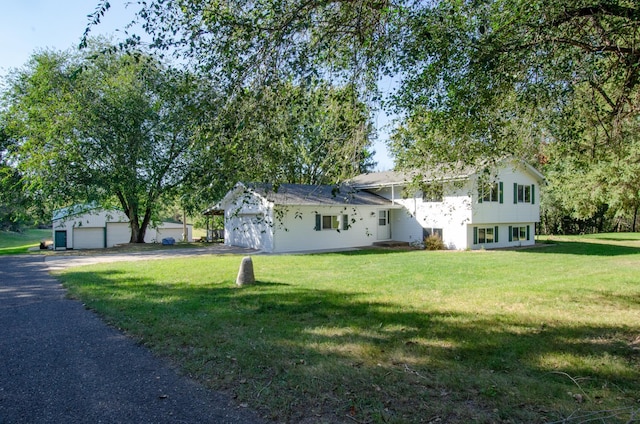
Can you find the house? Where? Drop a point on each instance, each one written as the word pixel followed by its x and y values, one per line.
pixel 496 206
pixel 91 227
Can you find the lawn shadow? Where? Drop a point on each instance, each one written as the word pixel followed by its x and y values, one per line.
pixel 301 352
pixel 582 248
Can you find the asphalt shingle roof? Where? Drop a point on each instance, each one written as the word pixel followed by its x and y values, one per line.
pixel 302 194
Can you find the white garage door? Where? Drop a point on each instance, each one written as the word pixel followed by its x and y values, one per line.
pixel 247 231
pixel 88 238
pixel 118 233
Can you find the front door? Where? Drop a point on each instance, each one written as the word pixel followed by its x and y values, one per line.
pixel 60 241
pixel 384 226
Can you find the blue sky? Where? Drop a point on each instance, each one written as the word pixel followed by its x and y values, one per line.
pixel 27 26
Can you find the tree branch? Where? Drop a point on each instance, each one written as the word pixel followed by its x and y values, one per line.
pixel 600 9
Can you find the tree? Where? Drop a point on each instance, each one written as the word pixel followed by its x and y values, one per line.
pixel 476 66
pixel 477 78
pixel 288 133
pixel 114 128
pixel 267 41
pixel 471 66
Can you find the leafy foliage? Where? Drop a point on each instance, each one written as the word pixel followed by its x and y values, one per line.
pixel 113 128
pixel 290 133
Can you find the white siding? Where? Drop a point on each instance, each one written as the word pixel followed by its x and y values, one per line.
pixel 508 211
pixel 172 230
pixel 296 230
pixel 87 231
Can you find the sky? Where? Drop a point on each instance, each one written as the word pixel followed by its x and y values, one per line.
pixel 28 26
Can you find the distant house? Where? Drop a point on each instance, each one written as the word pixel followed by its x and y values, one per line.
pixel 91 227
pixel 496 207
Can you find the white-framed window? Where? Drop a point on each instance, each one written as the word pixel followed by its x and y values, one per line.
pixel 383 218
pixel 427 232
pixel 490 192
pixel 524 193
pixel 485 235
pixel 331 222
pixel 520 233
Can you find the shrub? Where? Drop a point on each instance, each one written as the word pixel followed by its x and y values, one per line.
pixel 434 242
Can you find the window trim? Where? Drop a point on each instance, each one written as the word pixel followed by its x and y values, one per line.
pixel 341 221
pixel 478 230
pixel 521 191
pixel 519 233
pixel 495 192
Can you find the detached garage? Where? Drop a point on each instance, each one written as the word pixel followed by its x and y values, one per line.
pixel 86 227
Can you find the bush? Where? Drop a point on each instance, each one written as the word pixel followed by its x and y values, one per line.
pixel 434 242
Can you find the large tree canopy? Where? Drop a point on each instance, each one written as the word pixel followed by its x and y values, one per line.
pixel 112 128
pixel 476 78
pixel 474 68
pixel 467 69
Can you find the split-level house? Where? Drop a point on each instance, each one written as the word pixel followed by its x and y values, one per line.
pixel 482 207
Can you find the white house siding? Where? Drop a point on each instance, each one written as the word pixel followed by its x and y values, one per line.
pixel 417 216
pixel 502 235
pixel 296 230
pixel 508 211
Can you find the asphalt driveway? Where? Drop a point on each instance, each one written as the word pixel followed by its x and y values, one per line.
pixel 59 363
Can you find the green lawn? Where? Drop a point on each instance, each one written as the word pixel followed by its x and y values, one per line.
pixel 534 335
pixel 14 243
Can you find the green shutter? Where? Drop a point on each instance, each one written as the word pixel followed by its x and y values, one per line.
pixel 480 194
pixel 475 235
pixel 495 232
pixel 501 192
pixel 318 222
pixel 345 222
pixel 528 232
pixel 510 233
pixel 533 194
pixel 515 193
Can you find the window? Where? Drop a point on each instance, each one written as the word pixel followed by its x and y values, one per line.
pixel 432 193
pixel 382 218
pixel 427 232
pixel 519 233
pixel 331 222
pixel 485 235
pixel 490 192
pixel 523 193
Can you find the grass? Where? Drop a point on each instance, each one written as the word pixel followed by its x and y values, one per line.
pixel 12 243
pixel 549 334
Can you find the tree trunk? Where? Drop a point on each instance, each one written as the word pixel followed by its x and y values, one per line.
pixel 137 231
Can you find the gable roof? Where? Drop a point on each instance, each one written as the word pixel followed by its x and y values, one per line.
pixel 74 210
pixel 307 195
pixel 437 173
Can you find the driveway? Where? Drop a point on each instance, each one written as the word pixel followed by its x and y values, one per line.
pixel 70 258
pixel 61 364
